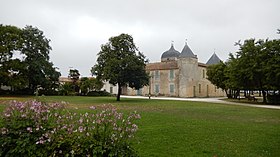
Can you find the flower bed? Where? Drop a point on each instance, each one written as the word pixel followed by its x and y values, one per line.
pixel 35 128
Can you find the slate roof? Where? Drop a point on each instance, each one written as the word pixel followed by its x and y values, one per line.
pixel 170 53
pixel 162 66
pixel 214 59
pixel 187 52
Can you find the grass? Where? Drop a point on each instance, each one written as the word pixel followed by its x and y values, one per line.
pixel 182 128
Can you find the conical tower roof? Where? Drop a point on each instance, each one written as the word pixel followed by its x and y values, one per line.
pixel 214 59
pixel 187 52
pixel 171 53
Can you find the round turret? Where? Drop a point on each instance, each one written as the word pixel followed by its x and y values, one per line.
pixel 171 54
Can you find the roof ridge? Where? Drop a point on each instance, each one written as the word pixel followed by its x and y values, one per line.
pixel 214 59
pixel 187 52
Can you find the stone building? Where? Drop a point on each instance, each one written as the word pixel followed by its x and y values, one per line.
pixel 179 75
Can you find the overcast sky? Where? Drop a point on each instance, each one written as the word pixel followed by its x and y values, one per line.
pixel 77 28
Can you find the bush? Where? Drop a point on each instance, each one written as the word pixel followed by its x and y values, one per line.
pixel 48 92
pixel 99 93
pixel 273 98
pixel 39 129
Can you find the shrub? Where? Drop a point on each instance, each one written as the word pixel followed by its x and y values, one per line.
pixel 273 98
pixel 39 129
pixel 98 93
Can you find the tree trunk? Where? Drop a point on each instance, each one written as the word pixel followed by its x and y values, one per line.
pixel 226 92
pixel 264 96
pixel 119 92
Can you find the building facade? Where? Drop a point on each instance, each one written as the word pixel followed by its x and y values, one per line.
pixel 179 75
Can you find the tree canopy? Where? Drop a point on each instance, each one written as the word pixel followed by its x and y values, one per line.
pixel 90 84
pixel 254 67
pixel 24 62
pixel 121 63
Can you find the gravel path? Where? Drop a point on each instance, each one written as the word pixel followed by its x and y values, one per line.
pixel 214 100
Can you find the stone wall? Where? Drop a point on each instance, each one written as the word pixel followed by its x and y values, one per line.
pixel 190 80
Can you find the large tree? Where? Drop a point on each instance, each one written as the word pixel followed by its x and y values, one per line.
pixel 36 48
pixel 255 66
pixel 121 63
pixel 10 41
pixel 25 59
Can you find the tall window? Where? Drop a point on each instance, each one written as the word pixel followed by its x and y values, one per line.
pixel 199 88
pixel 156 88
pixel 171 74
pixel 203 73
pixel 171 88
pixel 157 75
pixel 139 91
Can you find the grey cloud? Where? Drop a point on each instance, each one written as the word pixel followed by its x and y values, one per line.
pixel 207 25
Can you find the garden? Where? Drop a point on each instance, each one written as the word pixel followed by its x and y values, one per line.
pixel 101 126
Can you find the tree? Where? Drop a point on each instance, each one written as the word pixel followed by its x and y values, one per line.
pixel 255 66
pixel 90 84
pixel 216 74
pixel 10 41
pixel 74 75
pixel 270 63
pixel 121 63
pixel 36 48
pixel 31 68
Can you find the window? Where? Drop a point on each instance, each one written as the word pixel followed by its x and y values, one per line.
pixel 171 74
pixel 171 88
pixel 156 88
pixel 199 88
pixel 111 90
pixel 139 91
pixel 203 73
pixel 157 75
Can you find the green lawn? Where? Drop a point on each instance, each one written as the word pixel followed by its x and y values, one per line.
pixel 182 128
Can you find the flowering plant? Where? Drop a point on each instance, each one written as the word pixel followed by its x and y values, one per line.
pixel 39 129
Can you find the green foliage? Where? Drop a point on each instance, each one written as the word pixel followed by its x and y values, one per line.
pixel 40 71
pixel 32 68
pixel 23 125
pixel 120 63
pixel 66 89
pixel 98 93
pixel 273 98
pixel 11 39
pixel 90 84
pixel 74 75
pixel 216 74
pixel 254 67
pixel 40 129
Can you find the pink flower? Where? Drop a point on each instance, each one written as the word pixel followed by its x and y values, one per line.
pixel 81 129
pixel 29 129
pixel 92 107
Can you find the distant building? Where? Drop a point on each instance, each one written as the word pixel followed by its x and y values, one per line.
pixel 63 80
pixel 177 75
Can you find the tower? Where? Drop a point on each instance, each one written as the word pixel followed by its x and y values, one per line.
pixel 188 65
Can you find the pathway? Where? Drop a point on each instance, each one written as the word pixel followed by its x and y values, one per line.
pixel 213 100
